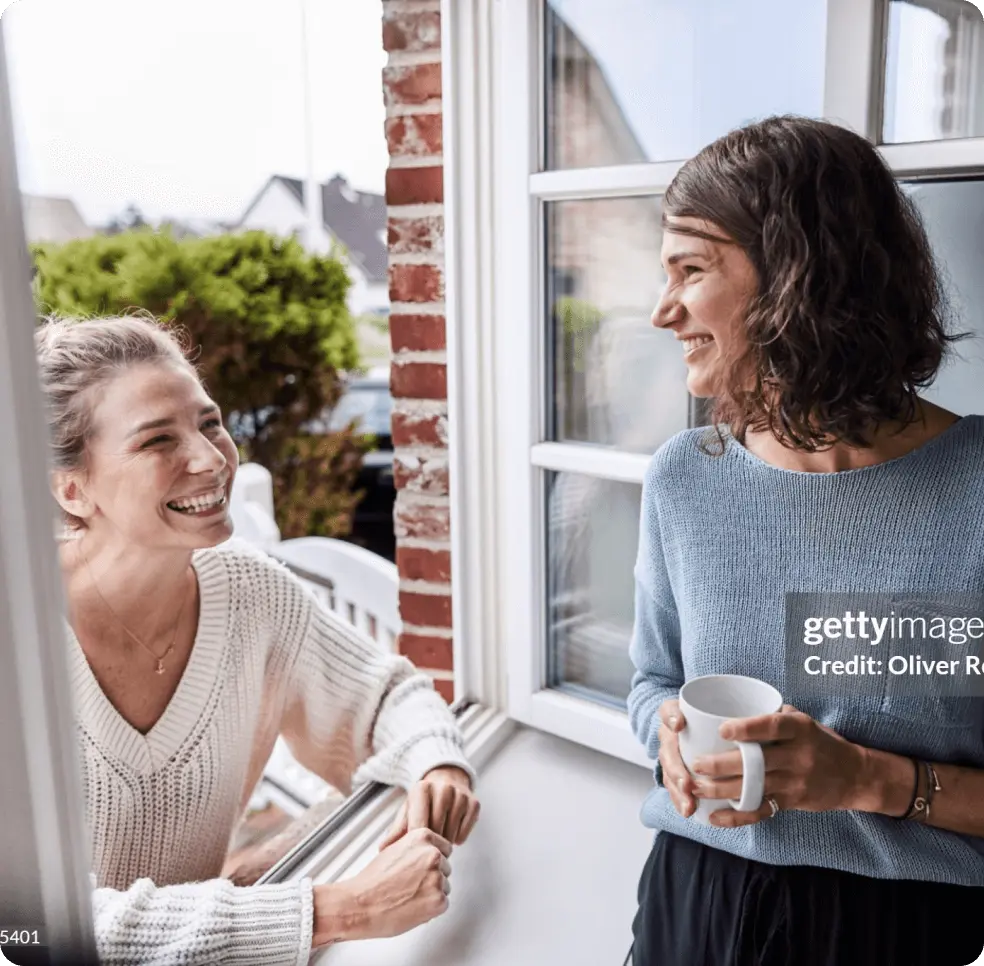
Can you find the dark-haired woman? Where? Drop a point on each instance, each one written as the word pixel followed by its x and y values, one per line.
pixel 802 287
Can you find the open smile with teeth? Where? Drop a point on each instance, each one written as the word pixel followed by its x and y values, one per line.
pixel 202 503
pixel 689 345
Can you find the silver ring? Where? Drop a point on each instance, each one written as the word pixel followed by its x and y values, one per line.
pixel 774 805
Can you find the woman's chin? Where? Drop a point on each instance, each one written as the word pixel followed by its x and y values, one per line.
pixel 217 532
pixel 221 532
pixel 699 384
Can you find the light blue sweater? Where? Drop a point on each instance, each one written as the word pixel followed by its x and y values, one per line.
pixel 723 538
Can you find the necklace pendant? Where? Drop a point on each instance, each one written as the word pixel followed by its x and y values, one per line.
pixel 160 667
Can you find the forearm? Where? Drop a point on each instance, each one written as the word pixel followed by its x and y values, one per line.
pixel 355 709
pixel 886 783
pixel 337 916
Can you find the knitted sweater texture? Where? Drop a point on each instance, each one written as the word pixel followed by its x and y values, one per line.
pixel 723 538
pixel 161 807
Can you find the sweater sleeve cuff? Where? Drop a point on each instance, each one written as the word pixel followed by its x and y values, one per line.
pixel 307 922
pixel 408 764
pixel 205 922
pixel 435 751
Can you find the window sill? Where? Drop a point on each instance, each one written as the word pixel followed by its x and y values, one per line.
pixel 559 844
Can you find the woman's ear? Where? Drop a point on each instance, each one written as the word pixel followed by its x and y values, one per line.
pixel 69 492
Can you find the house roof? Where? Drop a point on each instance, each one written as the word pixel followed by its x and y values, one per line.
pixel 356 218
pixel 52 219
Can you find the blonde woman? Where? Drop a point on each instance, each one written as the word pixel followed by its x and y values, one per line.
pixel 190 654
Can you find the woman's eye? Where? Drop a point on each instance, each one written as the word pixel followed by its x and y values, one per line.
pixel 211 424
pixel 689 270
pixel 155 441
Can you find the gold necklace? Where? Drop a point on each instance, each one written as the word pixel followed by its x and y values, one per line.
pixel 160 660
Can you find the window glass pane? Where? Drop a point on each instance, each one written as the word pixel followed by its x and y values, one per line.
pixel 127 118
pixel 592 524
pixel 934 71
pixel 592 532
pixel 656 80
pixel 953 212
pixel 617 381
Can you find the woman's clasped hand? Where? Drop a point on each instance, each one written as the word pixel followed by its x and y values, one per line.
pixel 808 766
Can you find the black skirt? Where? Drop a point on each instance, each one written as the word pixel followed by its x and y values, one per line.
pixel 699 906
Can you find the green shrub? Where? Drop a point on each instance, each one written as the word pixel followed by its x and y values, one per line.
pixel 273 332
pixel 579 322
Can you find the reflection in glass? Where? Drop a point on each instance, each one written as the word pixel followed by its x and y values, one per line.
pixel 934 71
pixel 592 532
pixel 953 212
pixel 655 80
pixel 617 381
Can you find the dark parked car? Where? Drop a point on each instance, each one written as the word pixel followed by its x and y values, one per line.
pixel 368 403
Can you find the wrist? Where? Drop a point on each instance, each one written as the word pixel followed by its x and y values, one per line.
pixel 884 784
pixel 451 773
pixel 337 914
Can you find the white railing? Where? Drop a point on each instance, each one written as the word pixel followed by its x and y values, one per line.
pixel 360 587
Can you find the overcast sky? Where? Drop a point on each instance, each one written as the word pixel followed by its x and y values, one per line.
pixel 186 107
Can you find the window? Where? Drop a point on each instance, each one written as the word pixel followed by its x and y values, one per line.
pixel 591 533
pixel 655 80
pixel 614 384
pixel 615 96
pixel 934 71
pixel 130 165
pixel 953 212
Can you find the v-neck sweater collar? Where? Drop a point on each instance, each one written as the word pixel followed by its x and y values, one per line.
pixel 145 753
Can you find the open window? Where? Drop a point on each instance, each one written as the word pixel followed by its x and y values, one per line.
pixel 599 107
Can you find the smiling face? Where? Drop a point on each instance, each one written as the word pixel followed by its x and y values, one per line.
pixel 159 462
pixel 708 289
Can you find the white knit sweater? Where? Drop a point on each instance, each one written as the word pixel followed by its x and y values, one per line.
pixel 162 807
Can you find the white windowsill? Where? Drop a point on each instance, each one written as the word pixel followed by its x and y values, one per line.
pixel 549 875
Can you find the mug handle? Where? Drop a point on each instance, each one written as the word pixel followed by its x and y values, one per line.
pixel 753 777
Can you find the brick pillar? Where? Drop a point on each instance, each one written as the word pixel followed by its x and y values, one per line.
pixel 415 205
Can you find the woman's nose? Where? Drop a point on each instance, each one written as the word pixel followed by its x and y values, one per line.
pixel 204 457
pixel 668 309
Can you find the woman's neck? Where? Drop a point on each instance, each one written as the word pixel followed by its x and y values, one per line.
pixel 142 589
pixel 888 442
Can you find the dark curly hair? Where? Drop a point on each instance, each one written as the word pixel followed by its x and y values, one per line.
pixel 851 317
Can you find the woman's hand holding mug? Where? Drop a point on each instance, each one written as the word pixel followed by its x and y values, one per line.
pixel 692 731
pixel 807 767
pixel 676 778
pixel 733 754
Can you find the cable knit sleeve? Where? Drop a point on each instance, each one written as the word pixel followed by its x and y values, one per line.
pixel 204 923
pixel 355 712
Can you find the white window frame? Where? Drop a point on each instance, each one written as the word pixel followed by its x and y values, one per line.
pixel 42 857
pixel 516 371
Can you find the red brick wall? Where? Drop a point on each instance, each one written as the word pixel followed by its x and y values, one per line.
pixel 415 202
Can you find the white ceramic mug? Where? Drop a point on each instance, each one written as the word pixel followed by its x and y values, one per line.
pixel 706 703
